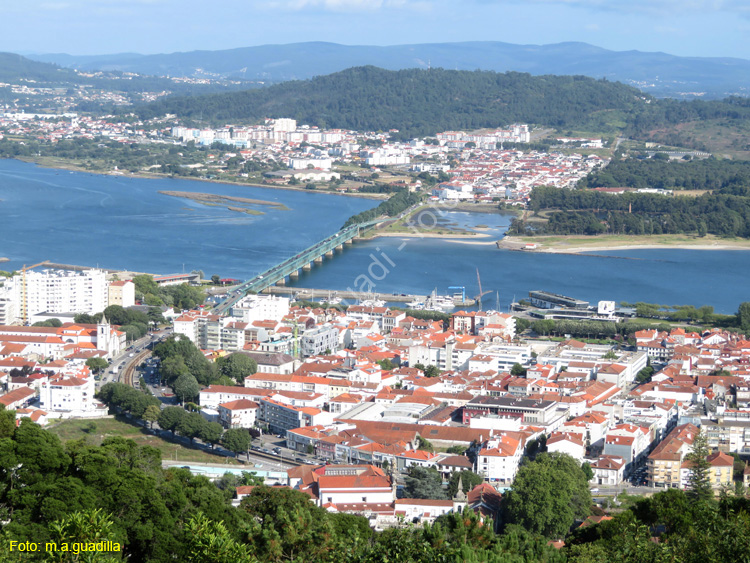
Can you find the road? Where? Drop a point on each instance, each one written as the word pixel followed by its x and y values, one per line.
pixel 123 365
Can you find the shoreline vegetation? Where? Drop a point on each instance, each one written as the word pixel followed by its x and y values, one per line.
pixel 576 244
pixel 71 166
pixel 226 201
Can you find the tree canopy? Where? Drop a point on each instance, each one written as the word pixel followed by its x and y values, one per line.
pixel 548 494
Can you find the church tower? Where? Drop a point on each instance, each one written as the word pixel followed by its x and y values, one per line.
pixel 104 336
pixel 459 499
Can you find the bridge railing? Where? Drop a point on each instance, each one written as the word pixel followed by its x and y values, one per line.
pixel 280 271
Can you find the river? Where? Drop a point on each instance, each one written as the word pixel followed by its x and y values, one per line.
pixel 121 222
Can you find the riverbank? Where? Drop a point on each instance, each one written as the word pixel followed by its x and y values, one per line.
pixel 581 244
pixel 62 164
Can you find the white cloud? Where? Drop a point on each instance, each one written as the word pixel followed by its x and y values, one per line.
pixel 335 5
pixel 676 7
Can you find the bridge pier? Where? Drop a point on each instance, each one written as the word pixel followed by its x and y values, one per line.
pixel 281 282
pixel 340 247
pixel 294 275
pixel 307 267
pixel 329 254
pixel 318 260
pixel 349 242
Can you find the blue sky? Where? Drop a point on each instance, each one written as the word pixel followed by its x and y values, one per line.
pixel 82 27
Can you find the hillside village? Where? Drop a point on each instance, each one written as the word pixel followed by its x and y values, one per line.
pixel 371 392
pixel 471 166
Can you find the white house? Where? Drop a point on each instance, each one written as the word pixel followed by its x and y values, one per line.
pixel 499 459
pixel 238 414
pixel 608 470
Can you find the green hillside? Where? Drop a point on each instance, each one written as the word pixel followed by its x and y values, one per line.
pixel 419 102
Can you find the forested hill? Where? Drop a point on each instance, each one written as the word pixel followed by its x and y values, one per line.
pixel 418 102
pixel 13 67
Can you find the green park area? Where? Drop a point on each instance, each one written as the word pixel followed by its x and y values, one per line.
pixel 97 430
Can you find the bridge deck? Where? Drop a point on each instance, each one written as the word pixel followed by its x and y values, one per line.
pixel 279 272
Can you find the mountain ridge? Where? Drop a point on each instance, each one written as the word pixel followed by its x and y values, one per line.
pixel 657 73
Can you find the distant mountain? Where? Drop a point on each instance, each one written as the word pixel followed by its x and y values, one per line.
pixel 660 74
pixel 14 67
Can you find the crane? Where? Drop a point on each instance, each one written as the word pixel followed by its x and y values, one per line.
pixel 24 297
pixel 481 293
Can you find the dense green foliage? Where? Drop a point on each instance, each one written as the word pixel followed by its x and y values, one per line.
pixel 394 205
pixel 423 482
pixel 181 296
pixel 588 212
pixel 42 482
pixel 688 531
pixel 416 102
pixel 237 366
pixel 697 174
pixel 126 398
pixel 118 491
pixel 179 356
pixel 548 495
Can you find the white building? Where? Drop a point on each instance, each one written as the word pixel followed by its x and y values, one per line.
pixel 498 461
pixel 319 340
pixel 238 414
pixel 122 293
pixel 608 470
pixel 261 308
pixel 60 291
pixel 74 394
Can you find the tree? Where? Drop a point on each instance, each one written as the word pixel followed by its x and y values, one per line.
pixel 238 366
pixel 699 481
pixel 186 387
pixel 517 370
pixel 644 375
pixel 215 279
pixel 548 494
pixel 743 316
pixel 55 323
pixel 151 415
pixel 88 526
pixel 431 371
pixel 423 482
pixel 587 471
pixel 236 440
pixel 424 444
pixel 191 425
pixel 210 433
pixel 170 418
pixel 469 480
pixel 7 422
pixel 386 364
pixel 288 527
pixel 96 364
pixel 209 541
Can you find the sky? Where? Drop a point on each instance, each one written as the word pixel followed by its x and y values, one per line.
pixel 716 28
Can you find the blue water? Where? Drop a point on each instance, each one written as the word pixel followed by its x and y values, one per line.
pixel 669 277
pixel 118 222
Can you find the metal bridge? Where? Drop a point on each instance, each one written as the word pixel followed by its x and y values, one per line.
pixel 292 266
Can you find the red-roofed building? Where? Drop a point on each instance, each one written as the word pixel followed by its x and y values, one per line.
pixel 17 398
pixel 238 414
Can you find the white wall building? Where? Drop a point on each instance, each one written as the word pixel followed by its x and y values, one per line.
pixel 498 461
pixel 261 308
pixel 61 291
pixel 122 293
